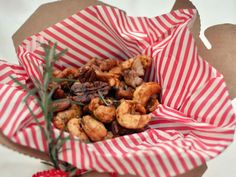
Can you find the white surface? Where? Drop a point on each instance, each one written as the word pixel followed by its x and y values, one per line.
pixel 14 12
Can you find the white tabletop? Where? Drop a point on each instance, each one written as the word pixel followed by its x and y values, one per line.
pixel 13 13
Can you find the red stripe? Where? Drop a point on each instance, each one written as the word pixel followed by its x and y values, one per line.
pixel 200 79
pixel 14 124
pixel 35 71
pixel 6 75
pixel 197 98
pixel 104 157
pixel 196 151
pixel 106 30
pixel 198 83
pixel 180 77
pixel 114 34
pixel 188 80
pixel 110 149
pixel 224 116
pixel 151 30
pixel 207 98
pixel 173 70
pixel 98 163
pixel 216 139
pixel 28 67
pixel 212 107
pixel 123 26
pixel 90 163
pixel 9 102
pixel 169 157
pixel 73 152
pixel 151 164
pixel 29 120
pixel 43 141
pixel 232 121
pixel 25 135
pixel 186 151
pixel 136 158
pixel 76 49
pixel 179 156
pixel 171 22
pixel 163 74
pixel 64 150
pixel 103 47
pixel 63 59
pixel 131 44
pixel 186 128
pixel 145 30
pixel 80 43
pixel 34 136
pixel 161 23
pixel 126 26
pixel 157 30
pixel 80 146
pixel 98 35
pixel 123 141
pixel 176 16
pixel 133 23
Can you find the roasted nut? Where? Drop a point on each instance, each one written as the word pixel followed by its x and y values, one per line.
pixel 101 87
pixel 116 70
pixel 127 64
pixel 69 73
pixel 138 67
pixel 61 105
pixel 144 92
pixel 130 115
pixel 106 65
pixel 145 60
pixel 118 130
pixel 58 92
pixel 124 91
pixel 109 135
pixel 152 104
pixel 74 127
pixel 86 74
pixel 95 130
pixel 103 113
pixel 61 118
pixel 132 78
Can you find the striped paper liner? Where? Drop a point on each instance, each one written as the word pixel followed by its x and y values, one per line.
pixel 194 123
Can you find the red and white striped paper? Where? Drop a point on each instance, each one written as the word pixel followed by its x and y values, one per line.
pixel 195 122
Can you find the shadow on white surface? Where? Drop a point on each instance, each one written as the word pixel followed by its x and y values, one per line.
pixel 15 164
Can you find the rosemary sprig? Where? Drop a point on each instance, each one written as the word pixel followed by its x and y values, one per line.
pixel 103 98
pixel 44 99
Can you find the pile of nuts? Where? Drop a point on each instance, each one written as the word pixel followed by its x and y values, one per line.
pixel 105 98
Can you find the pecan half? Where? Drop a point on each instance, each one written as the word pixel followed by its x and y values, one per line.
pixel 86 74
pixel 86 91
